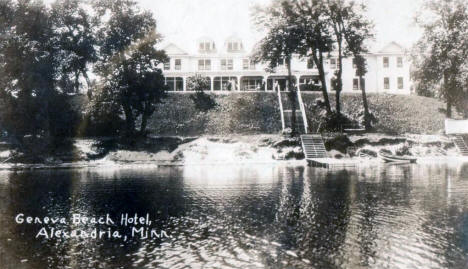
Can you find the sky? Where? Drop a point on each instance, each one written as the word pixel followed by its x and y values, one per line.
pixel 184 21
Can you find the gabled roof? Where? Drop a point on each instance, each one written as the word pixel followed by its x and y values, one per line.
pixel 392 48
pixel 172 49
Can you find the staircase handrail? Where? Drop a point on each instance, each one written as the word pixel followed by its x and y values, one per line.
pixel 281 108
pixel 302 108
pixel 463 141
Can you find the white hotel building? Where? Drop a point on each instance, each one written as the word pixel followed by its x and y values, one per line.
pixel 229 68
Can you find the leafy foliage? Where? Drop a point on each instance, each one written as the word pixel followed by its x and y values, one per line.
pixel 131 82
pixel 76 42
pixel 279 44
pixel 441 55
pixel 199 84
pixel 31 58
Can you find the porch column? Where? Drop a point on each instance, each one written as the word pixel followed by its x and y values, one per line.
pixel 185 83
pixel 265 79
pixel 239 83
pixel 212 83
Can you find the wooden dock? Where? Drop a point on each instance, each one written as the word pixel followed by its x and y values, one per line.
pixel 332 163
pixel 460 144
pixel 313 146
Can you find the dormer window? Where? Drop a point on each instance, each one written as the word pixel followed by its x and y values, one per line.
pixel 206 46
pixel 234 46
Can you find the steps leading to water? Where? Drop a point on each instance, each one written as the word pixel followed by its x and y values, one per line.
pixel 460 144
pixel 313 146
pixel 299 120
pixel 286 105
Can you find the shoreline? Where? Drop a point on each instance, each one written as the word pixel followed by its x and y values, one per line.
pixel 259 149
pixel 338 163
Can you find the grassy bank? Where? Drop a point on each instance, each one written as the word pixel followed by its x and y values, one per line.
pixel 255 113
pixel 243 113
pixel 396 114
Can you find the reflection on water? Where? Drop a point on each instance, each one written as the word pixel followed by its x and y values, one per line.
pixel 410 216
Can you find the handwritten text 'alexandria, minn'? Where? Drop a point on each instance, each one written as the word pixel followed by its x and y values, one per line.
pixel 139 226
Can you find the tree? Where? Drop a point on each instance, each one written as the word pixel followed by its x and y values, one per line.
pixel 73 28
pixel 135 84
pixel 199 85
pixel 309 18
pixel 280 43
pixel 344 19
pixel 441 55
pixel 128 62
pixel 30 57
pixel 357 30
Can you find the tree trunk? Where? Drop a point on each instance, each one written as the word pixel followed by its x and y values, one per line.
pixel 319 63
pixel 144 122
pixel 447 96
pixel 89 92
pixel 367 120
pixel 449 108
pixel 77 82
pixel 292 98
pixel 130 123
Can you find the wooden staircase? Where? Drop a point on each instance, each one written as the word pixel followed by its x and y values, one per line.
pixel 299 120
pixel 313 146
pixel 460 144
pixel 285 106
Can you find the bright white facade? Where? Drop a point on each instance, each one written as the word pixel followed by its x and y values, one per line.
pixel 229 68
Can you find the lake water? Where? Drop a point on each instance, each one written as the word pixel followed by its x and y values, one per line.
pixel 403 216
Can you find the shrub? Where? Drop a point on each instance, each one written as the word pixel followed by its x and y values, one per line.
pixel 199 84
pixel 203 102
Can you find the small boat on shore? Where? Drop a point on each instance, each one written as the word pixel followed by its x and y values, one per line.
pixel 388 157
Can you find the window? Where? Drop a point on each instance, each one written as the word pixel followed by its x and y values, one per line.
pixel 310 63
pixel 354 63
pixel 400 83
pixel 281 61
pixel 234 46
pixel 206 46
pixel 386 63
pixel 333 63
pixel 386 83
pixel 226 64
pixel 175 84
pixel 248 64
pixel 204 64
pixel 225 83
pixel 177 64
pixel 245 64
pixel 400 62
pixel 355 84
pixel 309 83
pixel 167 65
pixel 252 84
